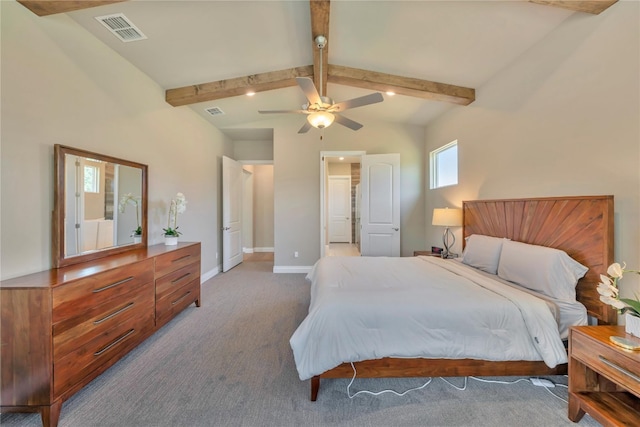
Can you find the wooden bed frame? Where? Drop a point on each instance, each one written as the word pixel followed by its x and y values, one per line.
pixel 580 226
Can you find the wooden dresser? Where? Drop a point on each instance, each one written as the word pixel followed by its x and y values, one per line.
pixel 604 379
pixel 63 327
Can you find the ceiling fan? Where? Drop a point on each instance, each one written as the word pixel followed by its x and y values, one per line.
pixel 321 111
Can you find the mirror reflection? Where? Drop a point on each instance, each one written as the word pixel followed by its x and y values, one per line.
pixel 100 206
pixel 103 202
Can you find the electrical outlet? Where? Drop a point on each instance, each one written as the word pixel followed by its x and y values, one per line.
pixel 295 254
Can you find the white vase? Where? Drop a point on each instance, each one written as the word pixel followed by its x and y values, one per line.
pixel 170 240
pixel 632 324
pixel 137 239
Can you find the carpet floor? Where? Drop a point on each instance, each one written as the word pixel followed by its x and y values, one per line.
pixel 228 363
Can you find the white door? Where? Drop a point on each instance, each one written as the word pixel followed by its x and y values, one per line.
pixel 232 183
pixel 339 209
pixel 380 205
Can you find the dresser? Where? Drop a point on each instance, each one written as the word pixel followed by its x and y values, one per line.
pixel 63 327
pixel 604 379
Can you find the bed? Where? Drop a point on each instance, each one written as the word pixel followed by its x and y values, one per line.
pixel 579 227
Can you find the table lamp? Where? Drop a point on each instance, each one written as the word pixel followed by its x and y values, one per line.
pixel 446 217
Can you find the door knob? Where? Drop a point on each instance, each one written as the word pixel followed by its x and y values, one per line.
pixel 226 228
pixel 395 229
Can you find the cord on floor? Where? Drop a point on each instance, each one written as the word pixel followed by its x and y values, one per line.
pixel 462 388
pixel 378 393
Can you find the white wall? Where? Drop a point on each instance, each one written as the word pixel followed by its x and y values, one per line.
pixel 252 150
pixel 60 85
pixel 563 119
pixel 297 183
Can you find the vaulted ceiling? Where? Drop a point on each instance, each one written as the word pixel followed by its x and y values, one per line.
pixel 432 54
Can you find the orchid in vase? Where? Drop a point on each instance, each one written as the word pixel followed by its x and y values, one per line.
pixel 130 198
pixel 609 292
pixel 176 206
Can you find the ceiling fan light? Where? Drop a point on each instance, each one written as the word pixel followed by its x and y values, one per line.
pixel 320 119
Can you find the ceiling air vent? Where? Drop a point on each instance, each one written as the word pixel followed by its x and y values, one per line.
pixel 121 27
pixel 214 111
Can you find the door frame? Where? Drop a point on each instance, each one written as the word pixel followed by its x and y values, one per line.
pixel 323 190
pixel 259 163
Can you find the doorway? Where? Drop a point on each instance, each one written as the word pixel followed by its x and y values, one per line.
pixel 247 210
pixel 379 213
pixel 340 175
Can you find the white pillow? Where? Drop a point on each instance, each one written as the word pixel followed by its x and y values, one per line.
pixel 546 270
pixel 482 252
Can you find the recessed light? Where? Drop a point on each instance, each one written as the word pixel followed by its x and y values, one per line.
pixel 341 158
pixel 250 93
pixel 390 93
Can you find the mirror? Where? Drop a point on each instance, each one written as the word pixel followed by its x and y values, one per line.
pixel 99 208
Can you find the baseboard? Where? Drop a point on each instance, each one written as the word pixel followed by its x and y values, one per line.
pixel 209 274
pixel 292 269
pixel 252 250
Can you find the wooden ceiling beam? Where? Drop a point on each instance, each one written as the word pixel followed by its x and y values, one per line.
pixel 401 85
pixel 51 7
pixel 594 7
pixel 236 86
pixel 320 27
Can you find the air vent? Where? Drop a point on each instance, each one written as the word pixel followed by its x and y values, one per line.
pixel 214 111
pixel 121 27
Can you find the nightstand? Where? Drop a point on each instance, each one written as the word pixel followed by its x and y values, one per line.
pixel 426 253
pixel 604 379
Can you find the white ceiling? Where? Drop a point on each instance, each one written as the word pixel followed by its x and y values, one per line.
pixel 463 43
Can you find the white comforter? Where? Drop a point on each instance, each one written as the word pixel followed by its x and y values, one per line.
pixel 367 308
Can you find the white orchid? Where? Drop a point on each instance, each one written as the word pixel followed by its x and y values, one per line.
pixel 181 203
pixel 610 293
pixel 616 270
pixel 122 204
pixel 176 206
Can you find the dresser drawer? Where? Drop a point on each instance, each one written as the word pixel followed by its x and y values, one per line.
pixel 74 298
pixel 620 367
pixel 174 260
pixel 170 282
pixel 177 300
pixel 76 332
pixel 112 344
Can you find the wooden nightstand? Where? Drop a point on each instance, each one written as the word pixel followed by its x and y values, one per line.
pixel 426 253
pixel 604 379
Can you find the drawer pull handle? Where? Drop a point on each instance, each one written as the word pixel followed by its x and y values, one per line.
pixel 619 368
pixel 99 352
pixel 113 285
pixel 181 258
pixel 180 278
pixel 181 298
pixel 115 313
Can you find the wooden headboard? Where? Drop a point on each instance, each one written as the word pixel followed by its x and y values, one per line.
pixel 580 226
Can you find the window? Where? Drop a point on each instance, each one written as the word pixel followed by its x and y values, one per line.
pixel 444 165
pixel 91 179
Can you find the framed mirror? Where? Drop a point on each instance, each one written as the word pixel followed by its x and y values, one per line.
pixel 99 207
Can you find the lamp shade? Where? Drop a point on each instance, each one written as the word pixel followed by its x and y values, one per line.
pixel 320 119
pixel 447 217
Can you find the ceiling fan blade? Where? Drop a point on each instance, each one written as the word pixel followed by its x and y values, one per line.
pixel 309 89
pixel 305 127
pixel 372 98
pixel 353 125
pixel 282 111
